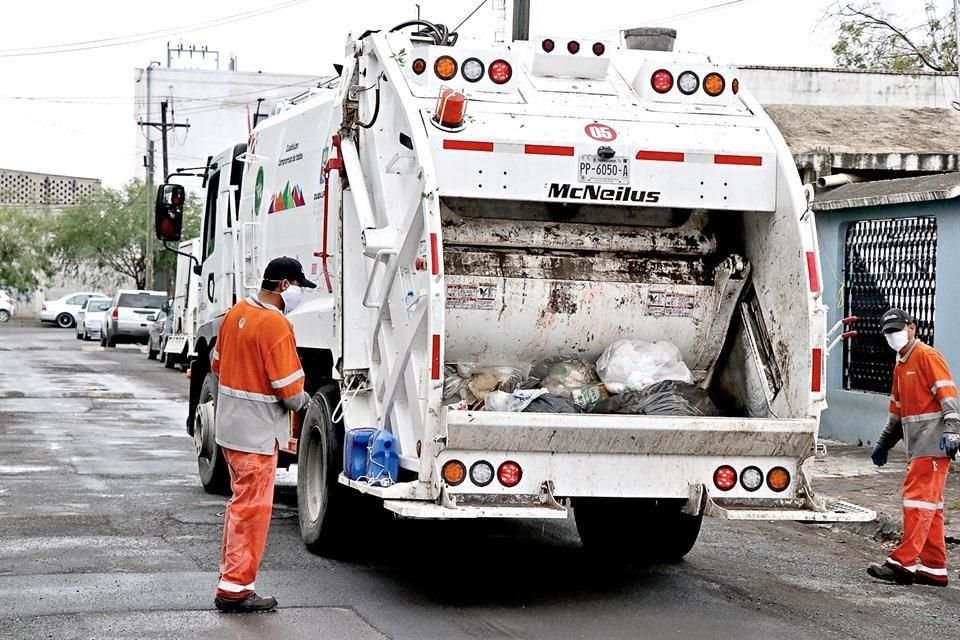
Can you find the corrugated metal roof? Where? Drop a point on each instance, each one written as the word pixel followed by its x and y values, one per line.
pixel 867 130
pixel 944 186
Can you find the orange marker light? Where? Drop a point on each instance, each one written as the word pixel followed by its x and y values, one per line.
pixel 778 479
pixel 445 67
pixel 714 84
pixel 453 472
pixel 735 86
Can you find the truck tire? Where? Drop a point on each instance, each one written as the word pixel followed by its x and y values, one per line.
pixel 645 531
pixel 214 475
pixel 323 503
pixel 64 320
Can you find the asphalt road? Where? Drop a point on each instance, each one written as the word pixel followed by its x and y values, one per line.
pixel 106 533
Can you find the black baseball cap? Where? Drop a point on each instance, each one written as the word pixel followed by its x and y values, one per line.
pixel 287 269
pixel 895 320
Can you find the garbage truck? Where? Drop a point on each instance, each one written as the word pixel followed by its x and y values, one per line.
pixel 466 204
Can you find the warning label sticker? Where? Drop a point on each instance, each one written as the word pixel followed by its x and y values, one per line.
pixel 670 303
pixel 476 297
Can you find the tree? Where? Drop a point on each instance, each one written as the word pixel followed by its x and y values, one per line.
pixel 870 37
pixel 109 231
pixel 24 248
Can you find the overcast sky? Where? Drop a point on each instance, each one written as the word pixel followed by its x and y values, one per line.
pixel 72 112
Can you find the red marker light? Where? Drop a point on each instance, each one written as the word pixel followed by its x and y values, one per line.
pixel 661 81
pixel 419 66
pixel 573 47
pixel 509 474
pixel 599 48
pixel 548 45
pixel 725 478
pixel 500 71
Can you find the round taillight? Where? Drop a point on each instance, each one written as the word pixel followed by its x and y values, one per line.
pixel 419 66
pixel 472 69
pixel 509 474
pixel 481 473
pixel 735 86
pixel 661 81
pixel 751 478
pixel 778 479
pixel 573 47
pixel 725 478
pixel 688 82
pixel 599 48
pixel 713 84
pixel 548 45
pixel 453 472
pixel 445 67
pixel 500 71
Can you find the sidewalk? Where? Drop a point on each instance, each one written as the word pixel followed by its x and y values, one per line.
pixel 847 472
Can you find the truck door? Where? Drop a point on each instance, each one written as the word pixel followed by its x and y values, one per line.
pixel 216 292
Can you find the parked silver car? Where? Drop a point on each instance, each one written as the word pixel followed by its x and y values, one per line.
pixel 128 319
pixel 8 308
pixel 90 318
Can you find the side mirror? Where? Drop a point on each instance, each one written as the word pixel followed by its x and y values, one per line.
pixel 168 214
pixel 198 270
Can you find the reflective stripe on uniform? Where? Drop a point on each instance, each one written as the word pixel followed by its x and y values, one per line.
pixel 230 587
pixel 911 568
pixel 279 384
pixel 920 417
pixel 920 504
pixel 932 571
pixel 939 384
pixel 247 395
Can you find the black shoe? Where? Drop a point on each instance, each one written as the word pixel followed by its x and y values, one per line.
pixel 929 582
pixel 891 574
pixel 251 604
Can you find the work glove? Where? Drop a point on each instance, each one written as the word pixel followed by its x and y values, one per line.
pixel 879 455
pixel 950 440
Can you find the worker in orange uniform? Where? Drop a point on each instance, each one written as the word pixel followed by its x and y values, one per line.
pixel 925 413
pixel 261 382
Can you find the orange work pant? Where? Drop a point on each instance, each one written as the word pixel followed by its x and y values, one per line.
pixel 922 548
pixel 246 521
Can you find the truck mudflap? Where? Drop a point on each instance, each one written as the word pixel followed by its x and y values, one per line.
pixel 808 508
pixel 175 344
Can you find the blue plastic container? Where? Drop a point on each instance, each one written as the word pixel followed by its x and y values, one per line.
pixel 383 461
pixel 355 446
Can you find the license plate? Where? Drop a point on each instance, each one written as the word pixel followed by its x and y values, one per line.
pixel 597 169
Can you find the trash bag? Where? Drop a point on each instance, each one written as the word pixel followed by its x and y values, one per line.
pixel 562 375
pixel 665 398
pixel 634 364
pixel 550 403
pixel 472 383
pixel 519 400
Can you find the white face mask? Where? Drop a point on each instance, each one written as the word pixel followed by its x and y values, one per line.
pixel 292 297
pixel 897 340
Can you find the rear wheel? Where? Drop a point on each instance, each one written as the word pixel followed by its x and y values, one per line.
pixel 64 320
pixel 210 461
pixel 4 315
pixel 323 503
pixel 642 530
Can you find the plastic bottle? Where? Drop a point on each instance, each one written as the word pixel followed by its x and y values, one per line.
pixel 355 446
pixel 383 461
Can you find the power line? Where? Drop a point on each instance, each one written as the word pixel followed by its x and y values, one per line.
pixel 118 41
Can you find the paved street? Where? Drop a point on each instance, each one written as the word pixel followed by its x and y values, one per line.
pixel 106 533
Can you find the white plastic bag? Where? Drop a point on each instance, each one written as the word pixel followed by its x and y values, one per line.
pixel 514 402
pixel 634 365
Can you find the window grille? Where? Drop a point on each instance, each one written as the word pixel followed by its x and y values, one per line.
pixel 889 263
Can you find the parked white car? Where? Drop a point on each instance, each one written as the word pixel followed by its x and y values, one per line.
pixel 8 308
pixel 90 318
pixel 63 311
pixel 130 316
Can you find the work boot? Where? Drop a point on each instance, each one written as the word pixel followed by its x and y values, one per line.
pixel 888 573
pixel 250 604
pixel 927 581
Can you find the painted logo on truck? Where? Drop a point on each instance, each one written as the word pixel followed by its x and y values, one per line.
pixel 601 132
pixel 601 193
pixel 258 192
pixel 287 199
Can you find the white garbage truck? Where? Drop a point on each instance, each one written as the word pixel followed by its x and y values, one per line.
pixel 178 349
pixel 465 204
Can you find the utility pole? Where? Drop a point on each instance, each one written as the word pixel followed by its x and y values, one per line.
pixel 165 128
pixel 521 20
